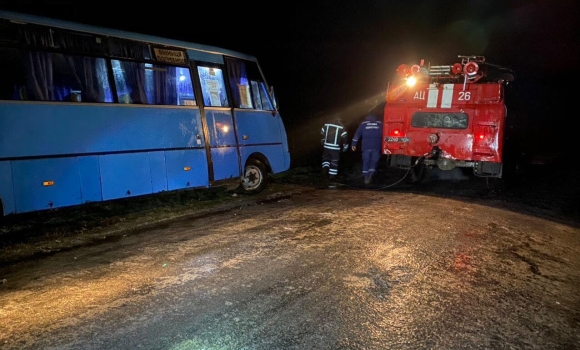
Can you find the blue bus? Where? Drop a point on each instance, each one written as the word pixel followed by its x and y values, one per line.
pixel 91 114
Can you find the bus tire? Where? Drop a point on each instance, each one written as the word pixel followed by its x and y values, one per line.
pixel 255 177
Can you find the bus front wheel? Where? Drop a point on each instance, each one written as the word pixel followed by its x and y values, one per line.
pixel 255 177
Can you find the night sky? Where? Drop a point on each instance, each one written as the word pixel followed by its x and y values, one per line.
pixel 324 57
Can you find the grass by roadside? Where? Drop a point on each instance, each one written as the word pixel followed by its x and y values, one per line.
pixel 30 234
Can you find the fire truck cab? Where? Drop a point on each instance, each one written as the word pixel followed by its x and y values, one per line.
pixel 447 116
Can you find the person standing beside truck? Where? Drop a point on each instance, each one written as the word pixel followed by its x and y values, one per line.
pixel 371 132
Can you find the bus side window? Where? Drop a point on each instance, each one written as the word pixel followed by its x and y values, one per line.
pixel 75 78
pixel 213 86
pixel 154 84
pixel 185 95
pixel 45 76
pixel 261 98
pixel 247 85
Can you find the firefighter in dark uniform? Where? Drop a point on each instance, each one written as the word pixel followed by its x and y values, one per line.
pixel 371 132
pixel 335 141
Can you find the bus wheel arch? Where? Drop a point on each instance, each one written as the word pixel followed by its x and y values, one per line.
pixel 255 174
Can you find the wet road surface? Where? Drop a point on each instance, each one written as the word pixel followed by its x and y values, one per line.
pixel 322 269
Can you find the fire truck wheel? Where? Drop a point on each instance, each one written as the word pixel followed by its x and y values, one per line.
pixel 416 173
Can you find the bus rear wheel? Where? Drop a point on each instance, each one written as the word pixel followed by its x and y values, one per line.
pixel 255 177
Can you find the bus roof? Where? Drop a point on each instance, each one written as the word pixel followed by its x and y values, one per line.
pixel 26 18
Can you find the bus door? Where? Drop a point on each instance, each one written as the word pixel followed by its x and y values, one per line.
pixel 220 136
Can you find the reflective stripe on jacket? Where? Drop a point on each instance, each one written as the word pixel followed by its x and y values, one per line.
pixel 334 135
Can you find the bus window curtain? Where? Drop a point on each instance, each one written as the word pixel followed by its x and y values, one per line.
pixel 165 85
pixel 84 75
pixel 39 76
pixel 33 36
pixel 136 80
pixel 237 74
pixel 129 49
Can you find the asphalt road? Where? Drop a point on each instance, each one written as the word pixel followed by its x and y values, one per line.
pixel 346 268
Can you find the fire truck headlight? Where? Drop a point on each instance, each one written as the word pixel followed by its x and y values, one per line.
pixel 411 81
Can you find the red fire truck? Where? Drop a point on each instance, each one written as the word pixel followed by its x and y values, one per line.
pixel 447 117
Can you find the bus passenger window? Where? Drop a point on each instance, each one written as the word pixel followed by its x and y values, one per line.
pixel 185 95
pixel 247 85
pixel 68 78
pixel 154 84
pixel 261 98
pixel 213 86
pixel 45 76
